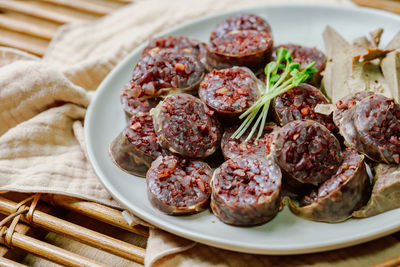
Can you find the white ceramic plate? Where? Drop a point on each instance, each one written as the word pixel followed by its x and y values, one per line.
pixel 286 233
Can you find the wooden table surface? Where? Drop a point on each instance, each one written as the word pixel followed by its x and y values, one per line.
pixel 30 25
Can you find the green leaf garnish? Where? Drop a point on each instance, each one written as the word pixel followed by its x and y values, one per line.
pixel 275 84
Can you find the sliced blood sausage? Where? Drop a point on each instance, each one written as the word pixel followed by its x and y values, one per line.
pixel 136 146
pixel 299 103
pixel 133 105
pixel 186 126
pixel 229 92
pixel 178 186
pixel 181 43
pixel 246 191
pixel 347 103
pixel 240 40
pixel 306 151
pixel 166 71
pixel 304 56
pixel 339 196
pixel 240 48
pixel 232 148
pixel 240 22
pixel 372 127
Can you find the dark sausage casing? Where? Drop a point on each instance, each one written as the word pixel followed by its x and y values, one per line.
pixel 372 126
pixel 347 103
pixel 240 40
pixel 306 151
pixel 246 191
pixel 299 103
pixel 186 126
pixel 229 92
pixel 136 146
pixel 178 186
pixel 335 200
pixel 166 71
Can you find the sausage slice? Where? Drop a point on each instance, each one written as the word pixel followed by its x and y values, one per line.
pixel 133 105
pixel 178 186
pixel 240 48
pixel 165 71
pixel 136 146
pixel 180 43
pixel 240 22
pixel 186 126
pixel 229 92
pixel 299 103
pixel 338 197
pixel 232 148
pixel 240 40
pixel 246 191
pixel 306 151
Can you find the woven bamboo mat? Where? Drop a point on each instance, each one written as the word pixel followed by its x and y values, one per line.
pixel 63 230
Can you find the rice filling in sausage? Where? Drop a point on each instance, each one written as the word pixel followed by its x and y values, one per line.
pixel 306 151
pixel 178 186
pixel 186 126
pixel 246 191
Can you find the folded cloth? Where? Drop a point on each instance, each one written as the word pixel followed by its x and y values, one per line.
pixel 43 104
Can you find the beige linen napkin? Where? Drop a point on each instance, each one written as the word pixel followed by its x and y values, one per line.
pixel 43 104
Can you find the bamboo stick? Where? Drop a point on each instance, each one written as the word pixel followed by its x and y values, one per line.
pixel 388 5
pixel 93 238
pixel 50 252
pixel 88 7
pixel 28 25
pixel 96 211
pixel 45 11
pixel 4 262
pixel 389 263
pixel 23 42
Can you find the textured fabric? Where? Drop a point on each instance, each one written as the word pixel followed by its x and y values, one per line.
pixel 43 104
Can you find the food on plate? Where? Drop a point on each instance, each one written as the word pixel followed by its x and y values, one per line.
pixel 385 193
pixel 306 151
pixel 186 126
pixel 240 40
pixel 361 66
pixel 372 126
pixel 336 198
pixel 174 135
pixel 306 55
pixel 179 186
pixel 229 92
pixel 136 146
pixel 246 191
pixel 299 103
pixel 232 148
pixel 166 71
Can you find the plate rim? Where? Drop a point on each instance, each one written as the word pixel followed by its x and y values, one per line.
pixel 196 236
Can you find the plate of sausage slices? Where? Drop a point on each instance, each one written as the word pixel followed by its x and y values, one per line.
pixel 249 132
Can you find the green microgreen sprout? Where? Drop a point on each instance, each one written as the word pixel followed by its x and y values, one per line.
pixel 281 76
